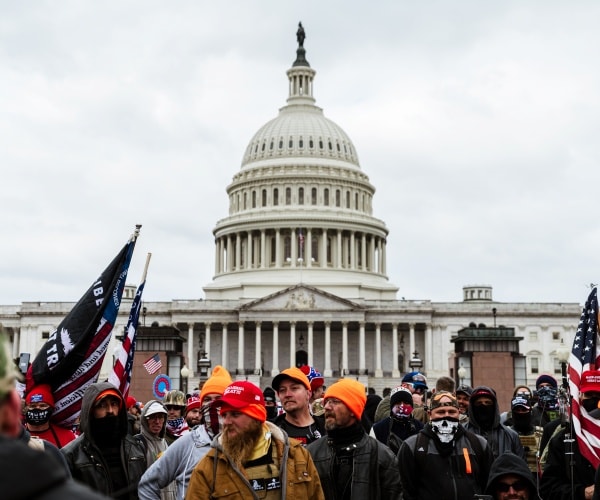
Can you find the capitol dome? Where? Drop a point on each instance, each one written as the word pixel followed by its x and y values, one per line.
pixel 300 209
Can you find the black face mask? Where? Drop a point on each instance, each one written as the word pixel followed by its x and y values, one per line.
pixel 38 417
pixel 484 415
pixel 271 412
pixel 521 421
pixel 106 430
pixel 590 404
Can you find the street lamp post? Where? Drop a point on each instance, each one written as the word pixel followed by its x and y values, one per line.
pixel 185 373
pixel 462 373
pixel 415 363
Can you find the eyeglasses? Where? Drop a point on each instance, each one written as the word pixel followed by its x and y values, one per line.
pixel 332 401
pixel 517 486
pixel 173 407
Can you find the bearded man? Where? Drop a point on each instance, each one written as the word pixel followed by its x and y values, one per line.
pixel 252 458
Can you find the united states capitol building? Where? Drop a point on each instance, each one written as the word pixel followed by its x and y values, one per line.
pixel 300 276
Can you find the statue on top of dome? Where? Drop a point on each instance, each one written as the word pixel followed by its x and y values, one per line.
pixel 300 35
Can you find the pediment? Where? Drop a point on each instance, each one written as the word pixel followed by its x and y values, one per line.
pixel 301 298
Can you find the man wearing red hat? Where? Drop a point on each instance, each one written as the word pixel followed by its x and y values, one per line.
pixel 253 458
pixel 294 391
pixel 39 404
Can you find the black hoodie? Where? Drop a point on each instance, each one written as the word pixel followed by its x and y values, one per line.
pixel 509 463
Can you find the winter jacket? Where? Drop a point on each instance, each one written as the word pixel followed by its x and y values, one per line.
pixel 499 437
pixel 392 431
pixel 509 463
pixel 176 464
pixel 28 473
pixel 155 447
pixel 556 478
pixel 298 476
pixel 85 459
pixel 375 469
pixel 426 474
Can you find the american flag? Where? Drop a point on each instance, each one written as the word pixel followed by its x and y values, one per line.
pixel 585 355
pixel 70 360
pixel 153 364
pixel 120 375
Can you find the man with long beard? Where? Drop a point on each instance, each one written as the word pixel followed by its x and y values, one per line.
pixel 252 458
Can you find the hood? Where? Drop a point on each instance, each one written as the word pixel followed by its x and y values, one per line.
pixel 144 422
pixel 87 402
pixel 509 463
pixel 478 392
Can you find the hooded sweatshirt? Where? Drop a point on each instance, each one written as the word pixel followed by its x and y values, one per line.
pixel 509 463
pixel 155 445
pixel 485 421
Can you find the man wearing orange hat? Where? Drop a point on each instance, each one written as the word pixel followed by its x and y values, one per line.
pixel 253 458
pixel 104 456
pixel 294 391
pixel 351 464
pixel 39 404
pixel 178 462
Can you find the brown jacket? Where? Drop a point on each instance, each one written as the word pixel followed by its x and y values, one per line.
pixel 298 476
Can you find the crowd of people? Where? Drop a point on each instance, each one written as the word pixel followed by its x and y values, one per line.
pixel 297 438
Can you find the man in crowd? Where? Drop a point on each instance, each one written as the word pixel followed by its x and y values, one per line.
pixel 510 478
pixel 293 388
pixel 39 404
pixel 484 419
pixel 352 464
pixel 104 456
pixel 270 403
pixel 400 425
pixel 193 415
pixel 252 458
pixel 27 472
pixel 546 409
pixel 457 461
pixel 529 435
pixel 561 479
pixel 174 402
pixel 416 383
pixel 463 394
pixel 133 416
pixel 178 462
pixel 316 382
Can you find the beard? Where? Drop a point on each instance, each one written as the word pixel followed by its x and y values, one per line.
pixel 240 446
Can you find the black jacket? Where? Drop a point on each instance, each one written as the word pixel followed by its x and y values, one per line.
pixel 499 437
pixel 509 463
pixel 375 469
pixel 427 474
pixel 393 432
pixel 556 478
pixel 84 456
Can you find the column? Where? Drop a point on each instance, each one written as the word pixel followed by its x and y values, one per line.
pixel 378 370
pixel 263 249
pixel 310 343
pixel 218 250
pixel 292 343
pixel 411 341
pixel 395 369
pixel 258 353
pixel 275 363
pixel 323 257
pixel 225 348
pixel 229 256
pixel 294 243
pixel 372 255
pixel 241 349
pixel 327 370
pixel 249 251
pixel 338 259
pixel 362 363
pixel 277 248
pixel 308 249
pixel 428 347
pixel 384 258
pixel 191 352
pixel 344 348
pixel 16 343
pixel 352 251
pixel 207 340
pixel 363 252
pixel 238 252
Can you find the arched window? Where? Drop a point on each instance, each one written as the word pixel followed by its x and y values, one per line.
pixel 253 199
pixel 338 197
pixel 326 197
pixel 275 196
pixel 313 196
pixel 288 196
pixel 301 196
pixel 264 197
pixel 245 201
pixel 347 199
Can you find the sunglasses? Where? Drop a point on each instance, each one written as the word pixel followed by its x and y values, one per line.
pixel 517 486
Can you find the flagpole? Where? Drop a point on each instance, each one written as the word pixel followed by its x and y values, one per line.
pixel 136 233
pixel 146 266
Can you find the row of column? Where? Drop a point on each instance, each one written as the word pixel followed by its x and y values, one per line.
pixel 327 371
pixel 257 253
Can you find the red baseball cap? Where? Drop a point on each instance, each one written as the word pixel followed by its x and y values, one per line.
pixel 590 381
pixel 244 397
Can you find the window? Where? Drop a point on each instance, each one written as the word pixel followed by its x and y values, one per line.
pixel 313 196
pixel 301 196
pixel 535 368
pixel 253 199
pixel 264 197
pixel 533 336
pixel 275 196
pixel 338 198
pixel 288 196
pixel 347 199
pixel 326 197
pixel 556 336
pixel 557 367
pixel 45 335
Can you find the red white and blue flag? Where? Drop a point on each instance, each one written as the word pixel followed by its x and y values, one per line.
pixel 153 364
pixel 71 359
pixel 120 376
pixel 585 355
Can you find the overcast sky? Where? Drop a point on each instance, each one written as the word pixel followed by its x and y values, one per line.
pixel 476 121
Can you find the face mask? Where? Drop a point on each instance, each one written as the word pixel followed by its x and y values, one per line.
pixel 271 412
pixel 402 410
pixel 445 428
pixel 38 417
pixel 484 415
pixel 590 404
pixel 211 418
